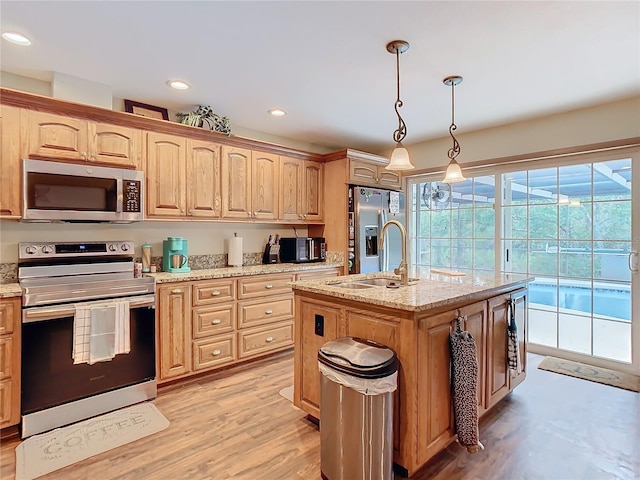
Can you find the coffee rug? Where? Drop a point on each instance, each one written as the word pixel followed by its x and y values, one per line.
pixel 589 372
pixel 44 453
pixel 287 393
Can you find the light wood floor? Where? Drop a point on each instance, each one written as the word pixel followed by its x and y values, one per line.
pixel 234 425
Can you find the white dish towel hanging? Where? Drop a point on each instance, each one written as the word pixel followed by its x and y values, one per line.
pixel 101 331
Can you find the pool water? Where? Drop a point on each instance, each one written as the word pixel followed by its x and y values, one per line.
pixel 611 302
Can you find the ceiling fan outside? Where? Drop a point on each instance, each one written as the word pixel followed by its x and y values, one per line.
pixel 436 195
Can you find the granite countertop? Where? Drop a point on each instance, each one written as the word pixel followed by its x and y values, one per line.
pixel 227 272
pixel 8 290
pixel 424 292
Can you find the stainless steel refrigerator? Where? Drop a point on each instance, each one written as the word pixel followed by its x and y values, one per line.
pixel 369 210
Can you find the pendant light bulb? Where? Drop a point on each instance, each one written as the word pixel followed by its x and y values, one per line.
pixel 400 156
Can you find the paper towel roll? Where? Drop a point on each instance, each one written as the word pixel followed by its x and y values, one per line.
pixel 235 252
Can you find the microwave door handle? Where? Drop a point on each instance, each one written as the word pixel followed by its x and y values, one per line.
pixel 312 249
pixel 119 200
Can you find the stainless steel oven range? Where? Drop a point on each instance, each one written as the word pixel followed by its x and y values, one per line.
pixel 88 332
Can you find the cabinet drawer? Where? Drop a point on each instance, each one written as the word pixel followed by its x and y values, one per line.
pixel 261 340
pixel 313 274
pixel 215 351
pixel 208 292
pixel 261 285
pixel 260 312
pixel 7 314
pixel 213 320
pixel 6 355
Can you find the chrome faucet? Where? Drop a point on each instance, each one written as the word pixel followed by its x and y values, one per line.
pixel 402 268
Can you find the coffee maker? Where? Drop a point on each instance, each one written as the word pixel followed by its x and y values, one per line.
pixel 174 255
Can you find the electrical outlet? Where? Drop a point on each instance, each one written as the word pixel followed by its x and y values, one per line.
pixel 319 325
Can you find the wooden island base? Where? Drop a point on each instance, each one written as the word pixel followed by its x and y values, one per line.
pixel 423 416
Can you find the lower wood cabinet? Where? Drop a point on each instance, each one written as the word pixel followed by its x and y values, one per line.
pixel 423 416
pixel 207 324
pixel 10 341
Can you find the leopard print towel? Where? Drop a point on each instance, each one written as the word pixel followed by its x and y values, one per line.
pixel 464 382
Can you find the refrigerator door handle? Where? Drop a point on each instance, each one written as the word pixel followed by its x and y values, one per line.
pixel 382 257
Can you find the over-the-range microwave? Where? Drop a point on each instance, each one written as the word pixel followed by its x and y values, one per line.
pixel 65 192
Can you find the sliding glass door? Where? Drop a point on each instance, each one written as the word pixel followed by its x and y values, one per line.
pixel 570 227
pixel 572 224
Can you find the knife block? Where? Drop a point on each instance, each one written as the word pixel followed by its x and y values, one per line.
pixel 270 254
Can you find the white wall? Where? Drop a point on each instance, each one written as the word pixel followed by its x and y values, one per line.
pixel 203 237
pixel 603 123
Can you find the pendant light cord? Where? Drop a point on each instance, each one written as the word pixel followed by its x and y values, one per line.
pixel 455 150
pixel 401 132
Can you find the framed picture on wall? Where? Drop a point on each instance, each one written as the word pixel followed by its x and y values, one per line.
pixel 146 110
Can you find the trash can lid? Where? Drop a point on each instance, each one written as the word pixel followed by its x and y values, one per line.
pixel 359 357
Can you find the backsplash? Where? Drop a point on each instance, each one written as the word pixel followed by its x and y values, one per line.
pixel 9 271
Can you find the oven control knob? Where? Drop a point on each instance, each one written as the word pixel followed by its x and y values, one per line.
pixel 113 247
pixel 30 250
pixel 47 249
pixel 125 247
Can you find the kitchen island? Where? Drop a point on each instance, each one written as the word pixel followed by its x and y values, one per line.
pixel 415 320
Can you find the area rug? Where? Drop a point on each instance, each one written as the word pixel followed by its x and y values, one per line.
pixel 42 454
pixel 287 393
pixel 589 372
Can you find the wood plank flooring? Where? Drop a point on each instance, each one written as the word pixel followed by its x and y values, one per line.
pixel 234 425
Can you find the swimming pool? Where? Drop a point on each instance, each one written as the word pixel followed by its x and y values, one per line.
pixel 610 300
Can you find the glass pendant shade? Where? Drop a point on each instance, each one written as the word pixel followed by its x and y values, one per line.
pixel 453 173
pixel 400 159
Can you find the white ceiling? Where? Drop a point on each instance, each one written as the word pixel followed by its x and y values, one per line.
pixel 326 64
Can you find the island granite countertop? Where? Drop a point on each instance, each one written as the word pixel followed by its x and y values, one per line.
pixel 425 291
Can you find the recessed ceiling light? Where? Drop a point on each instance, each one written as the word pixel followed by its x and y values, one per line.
pixel 178 84
pixel 16 38
pixel 276 112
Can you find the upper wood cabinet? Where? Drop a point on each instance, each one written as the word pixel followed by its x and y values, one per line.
pixel 54 136
pixel 365 173
pixel 166 175
pixel 301 190
pixel 203 178
pixel 249 184
pixel 10 159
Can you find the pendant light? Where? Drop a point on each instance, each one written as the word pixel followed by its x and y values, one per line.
pixel 399 157
pixel 454 172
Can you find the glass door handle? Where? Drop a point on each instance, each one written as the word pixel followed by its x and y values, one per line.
pixel 633 262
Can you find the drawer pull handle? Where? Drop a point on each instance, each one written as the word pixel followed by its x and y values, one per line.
pixel 216 321
pixel 268 312
pixel 269 339
pixel 216 352
pixel 176 290
pixel 215 293
pixel 268 286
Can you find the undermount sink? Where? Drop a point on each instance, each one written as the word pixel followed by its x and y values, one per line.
pixel 352 285
pixel 379 282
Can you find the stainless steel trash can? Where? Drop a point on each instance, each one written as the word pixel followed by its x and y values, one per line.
pixel 357 381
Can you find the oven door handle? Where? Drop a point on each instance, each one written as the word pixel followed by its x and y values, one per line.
pixel 40 314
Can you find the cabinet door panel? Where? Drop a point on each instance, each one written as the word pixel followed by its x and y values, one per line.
pixel 313 186
pixel 389 179
pixel 476 324
pixel 236 183
pixel 114 144
pixel 311 341
pixel 175 330
pixel 165 175
pixel 363 173
pixel 204 179
pixel 497 370
pixel 265 185
pixel 10 162
pixel 291 191
pixel 56 136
